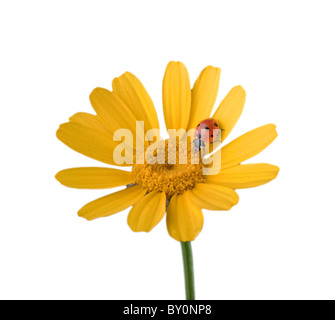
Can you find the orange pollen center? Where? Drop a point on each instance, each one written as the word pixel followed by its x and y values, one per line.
pixel 170 168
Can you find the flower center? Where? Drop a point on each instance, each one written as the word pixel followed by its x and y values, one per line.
pixel 171 168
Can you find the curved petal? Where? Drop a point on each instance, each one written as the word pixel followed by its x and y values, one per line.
pixel 113 203
pixel 147 212
pixel 214 197
pixel 92 121
pixel 245 175
pixel 230 109
pixel 247 145
pixel 113 111
pixel 176 96
pixel 204 94
pixel 132 92
pixel 96 144
pixel 94 178
pixel 184 219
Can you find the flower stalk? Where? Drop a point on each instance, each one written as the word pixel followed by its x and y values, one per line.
pixel 188 270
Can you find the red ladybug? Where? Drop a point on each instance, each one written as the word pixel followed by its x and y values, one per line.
pixel 205 130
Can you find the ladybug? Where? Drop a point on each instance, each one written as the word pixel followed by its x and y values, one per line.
pixel 204 133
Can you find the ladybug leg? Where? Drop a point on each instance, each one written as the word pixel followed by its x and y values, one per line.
pixel 196 145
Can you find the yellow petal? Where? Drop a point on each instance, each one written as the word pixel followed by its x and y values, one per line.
pixel 94 178
pixel 112 110
pixel 112 203
pixel 204 94
pixel 95 144
pixel 147 212
pixel 230 109
pixel 91 121
pixel 132 92
pixel 245 176
pixel 176 96
pixel 184 219
pixel 214 197
pixel 247 145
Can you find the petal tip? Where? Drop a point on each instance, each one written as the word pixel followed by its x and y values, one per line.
pixel 241 89
pixel 58 176
pixel 82 214
pixel 59 130
pixel 96 91
pixel 276 171
pixel 176 64
pixel 213 68
pixel 274 128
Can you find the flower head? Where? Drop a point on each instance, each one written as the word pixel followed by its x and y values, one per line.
pixel 157 180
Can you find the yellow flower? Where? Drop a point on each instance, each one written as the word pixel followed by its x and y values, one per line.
pixel 184 185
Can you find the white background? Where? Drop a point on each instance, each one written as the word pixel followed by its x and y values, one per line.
pixel 277 243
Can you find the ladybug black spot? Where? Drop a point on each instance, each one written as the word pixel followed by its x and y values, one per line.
pixel 206 128
pixel 216 124
pixel 211 135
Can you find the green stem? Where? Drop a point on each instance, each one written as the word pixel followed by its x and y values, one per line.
pixel 188 270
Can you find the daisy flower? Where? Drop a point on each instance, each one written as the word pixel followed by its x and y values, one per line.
pixel 184 187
